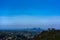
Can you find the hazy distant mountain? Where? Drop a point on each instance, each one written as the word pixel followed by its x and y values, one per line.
pixel 34 29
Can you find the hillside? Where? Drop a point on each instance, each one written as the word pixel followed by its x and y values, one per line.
pixel 50 34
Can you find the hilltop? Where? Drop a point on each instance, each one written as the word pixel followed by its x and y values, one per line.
pixel 50 34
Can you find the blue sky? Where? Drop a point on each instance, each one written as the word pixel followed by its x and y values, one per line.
pixel 30 7
pixel 29 12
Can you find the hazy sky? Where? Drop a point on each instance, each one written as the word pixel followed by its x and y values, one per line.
pixel 29 12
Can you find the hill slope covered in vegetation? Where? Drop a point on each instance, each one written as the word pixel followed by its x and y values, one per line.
pixel 50 34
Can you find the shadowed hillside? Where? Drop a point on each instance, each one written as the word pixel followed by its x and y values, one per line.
pixel 50 34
